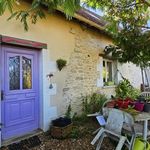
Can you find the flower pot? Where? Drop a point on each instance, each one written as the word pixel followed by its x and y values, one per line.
pixel 146 107
pixel 61 128
pixel 132 103
pixel 122 103
pixel 139 106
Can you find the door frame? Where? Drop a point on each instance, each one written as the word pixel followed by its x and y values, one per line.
pixel 6 40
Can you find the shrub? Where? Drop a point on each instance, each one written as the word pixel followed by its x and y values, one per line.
pixel 93 103
pixel 68 112
pixel 125 89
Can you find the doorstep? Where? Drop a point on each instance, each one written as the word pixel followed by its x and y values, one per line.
pixel 20 138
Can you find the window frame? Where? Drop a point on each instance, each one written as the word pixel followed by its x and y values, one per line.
pixel 112 62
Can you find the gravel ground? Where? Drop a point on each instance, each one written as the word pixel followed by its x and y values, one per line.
pixel 69 144
pixel 82 142
pixel 72 144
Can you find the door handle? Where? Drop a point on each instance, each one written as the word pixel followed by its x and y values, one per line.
pixel 2 95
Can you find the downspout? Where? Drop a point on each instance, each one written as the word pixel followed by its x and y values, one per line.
pixel 142 78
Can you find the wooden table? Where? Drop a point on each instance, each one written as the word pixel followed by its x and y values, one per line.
pixel 144 117
pixel 139 117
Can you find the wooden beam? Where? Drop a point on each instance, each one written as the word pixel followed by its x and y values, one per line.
pixel 22 42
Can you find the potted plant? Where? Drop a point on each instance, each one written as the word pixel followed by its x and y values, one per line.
pixel 147 105
pixel 110 83
pixel 122 103
pixel 62 126
pixel 126 94
pixel 139 104
pixel 61 63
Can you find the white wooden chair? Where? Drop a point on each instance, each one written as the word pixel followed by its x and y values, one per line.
pixel 113 128
pixel 146 94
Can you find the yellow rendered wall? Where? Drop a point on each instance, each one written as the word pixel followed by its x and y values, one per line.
pixel 64 39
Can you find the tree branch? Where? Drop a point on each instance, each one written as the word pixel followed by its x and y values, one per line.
pixel 145 2
pixel 146 27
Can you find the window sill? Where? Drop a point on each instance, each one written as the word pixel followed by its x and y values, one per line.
pixel 110 86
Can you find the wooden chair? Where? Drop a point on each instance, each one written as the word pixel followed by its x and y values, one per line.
pixel 113 128
pixel 145 94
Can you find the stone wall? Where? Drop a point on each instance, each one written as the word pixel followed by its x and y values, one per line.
pixel 82 71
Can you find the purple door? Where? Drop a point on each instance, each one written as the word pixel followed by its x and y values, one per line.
pixel 20 107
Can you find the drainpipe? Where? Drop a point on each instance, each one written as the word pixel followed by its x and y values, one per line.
pixel 143 79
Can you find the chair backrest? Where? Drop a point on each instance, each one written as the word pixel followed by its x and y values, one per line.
pixel 146 94
pixel 116 119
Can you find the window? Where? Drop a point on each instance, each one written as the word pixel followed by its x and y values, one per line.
pixel 19 72
pixel 108 72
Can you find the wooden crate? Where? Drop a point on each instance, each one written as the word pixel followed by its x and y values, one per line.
pixel 61 132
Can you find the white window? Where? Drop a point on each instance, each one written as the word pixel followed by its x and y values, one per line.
pixel 109 72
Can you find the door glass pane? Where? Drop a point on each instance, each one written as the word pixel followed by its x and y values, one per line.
pixel 14 73
pixel 27 73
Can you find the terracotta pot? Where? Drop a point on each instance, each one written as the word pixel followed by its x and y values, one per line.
pixel 139 106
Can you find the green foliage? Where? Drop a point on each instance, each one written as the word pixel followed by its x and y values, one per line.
pixel 81 129
pixel 131 46
pixel 61 63
pixel 75 133
pixel 6 4
pixel 125 89
pixel 93 103
pixel 128 13
pixel 35 10
pixel 127 24
pixel 68 112
pixel 80 119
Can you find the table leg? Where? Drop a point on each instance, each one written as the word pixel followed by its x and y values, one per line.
pixel 145 130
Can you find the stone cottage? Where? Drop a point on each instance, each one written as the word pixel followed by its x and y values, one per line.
pixel 29 100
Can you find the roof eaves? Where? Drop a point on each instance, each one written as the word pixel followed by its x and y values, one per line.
pixel 90 18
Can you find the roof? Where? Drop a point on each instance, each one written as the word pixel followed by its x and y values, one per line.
pixel 90 18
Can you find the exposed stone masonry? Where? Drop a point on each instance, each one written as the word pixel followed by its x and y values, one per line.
pixel 82 71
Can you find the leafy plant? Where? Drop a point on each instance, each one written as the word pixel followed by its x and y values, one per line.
pixel 125 89
pixel 35 11
pixel 109 83
pixel 68 112
pixel 93 103
pixel 75 133
pixel 61 63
